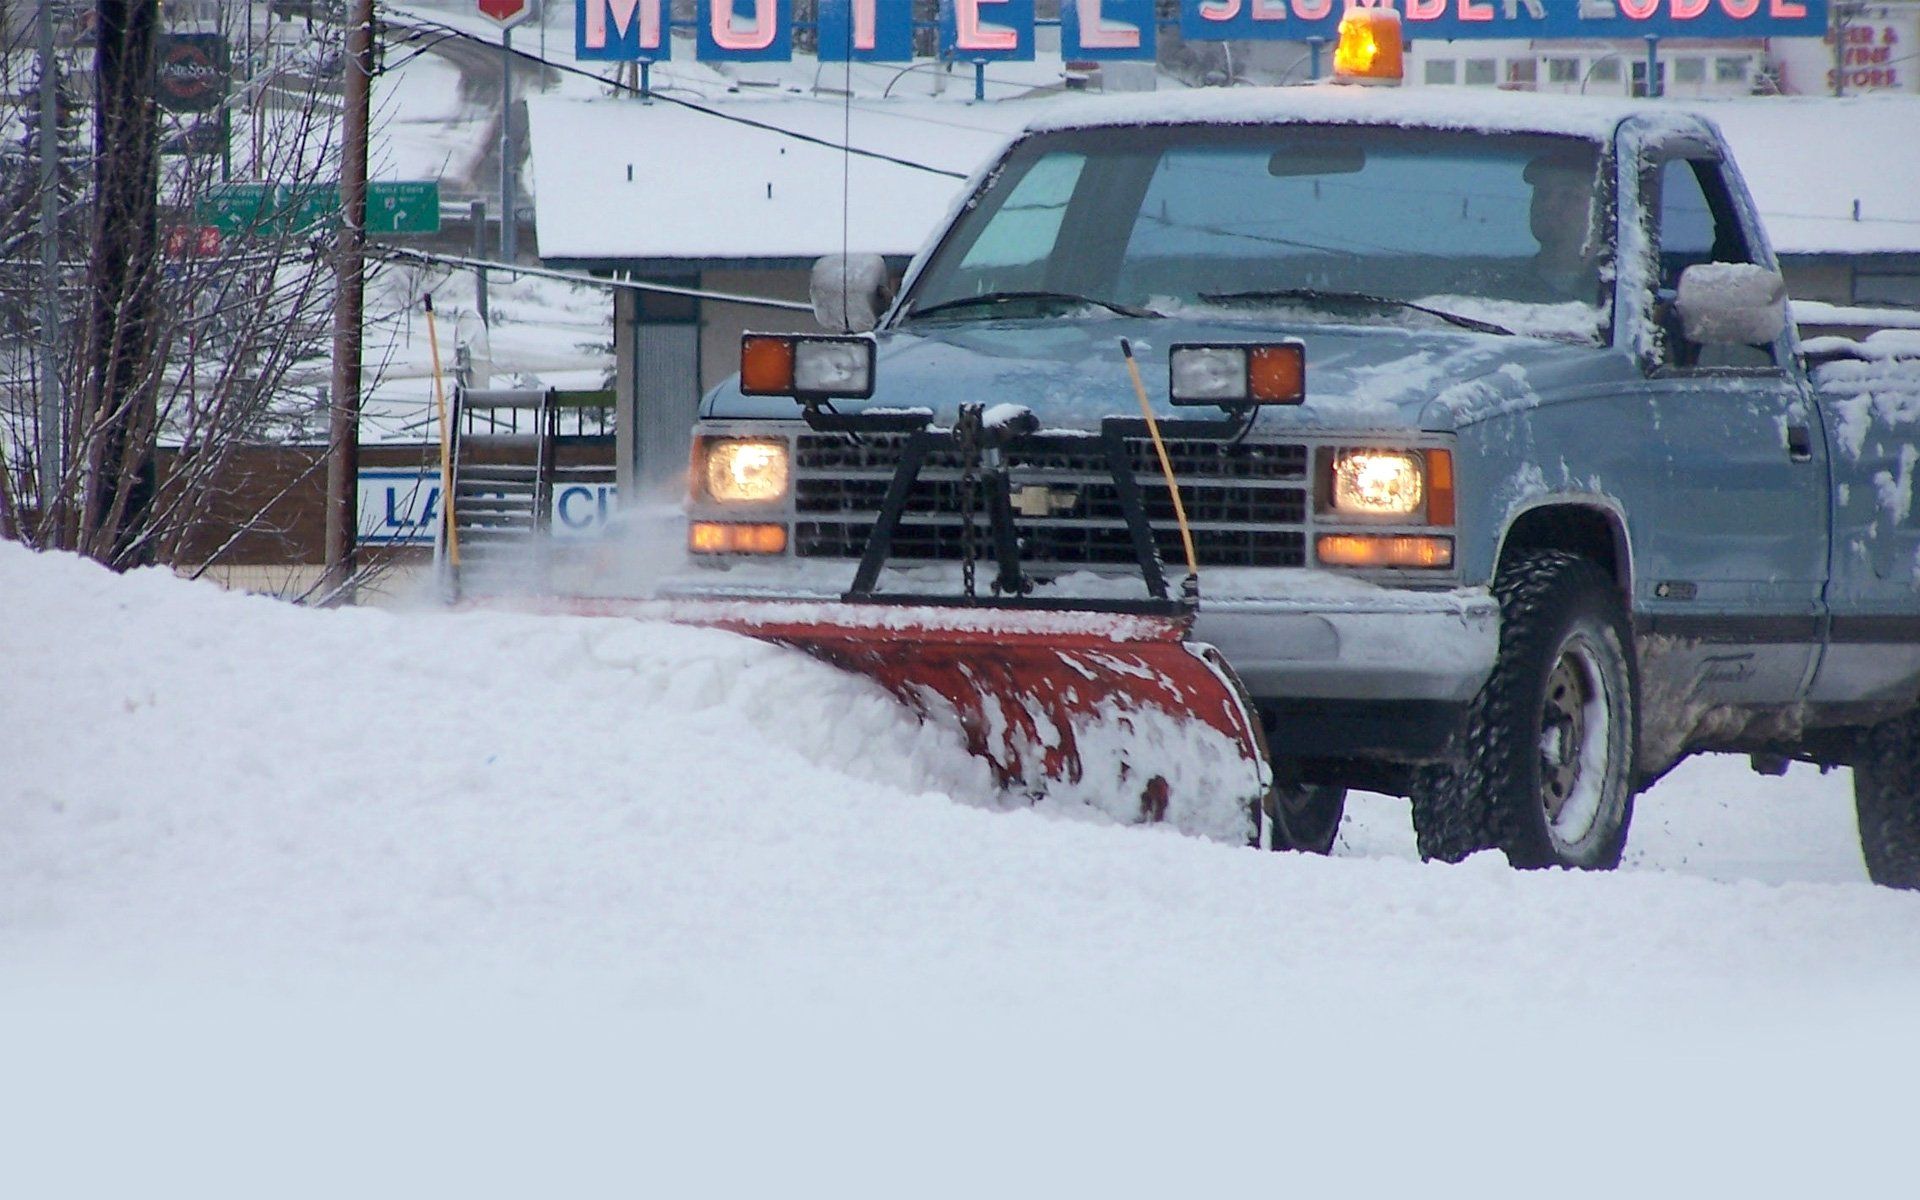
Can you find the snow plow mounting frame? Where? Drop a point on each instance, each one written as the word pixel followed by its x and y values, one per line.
pixel 981 447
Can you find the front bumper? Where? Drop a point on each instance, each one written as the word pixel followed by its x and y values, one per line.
pixel 1316 637
pixel 1388 645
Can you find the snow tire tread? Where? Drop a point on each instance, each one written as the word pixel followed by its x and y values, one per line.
pixel 1477 805
pixel 1886 796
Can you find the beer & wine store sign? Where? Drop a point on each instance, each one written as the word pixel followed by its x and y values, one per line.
pixel 192 72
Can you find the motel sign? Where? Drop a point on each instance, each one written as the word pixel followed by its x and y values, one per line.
pixel 1001 30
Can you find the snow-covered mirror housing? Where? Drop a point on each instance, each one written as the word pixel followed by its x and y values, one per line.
pixel 1731 304
pixel 849 291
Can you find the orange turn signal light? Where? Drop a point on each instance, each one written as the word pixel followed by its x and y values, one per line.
pixel 1277 374
pixel 766 365
pixel 721 537
pixel 1440 510
pixel 1385 550
pixel 1369 49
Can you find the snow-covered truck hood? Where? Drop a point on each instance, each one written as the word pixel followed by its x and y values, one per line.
pixel 1071 373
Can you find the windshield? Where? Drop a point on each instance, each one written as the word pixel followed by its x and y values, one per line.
pixel 1339 220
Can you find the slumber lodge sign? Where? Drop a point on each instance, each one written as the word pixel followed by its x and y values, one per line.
pixel 992 30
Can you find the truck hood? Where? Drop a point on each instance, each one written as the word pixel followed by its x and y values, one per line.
pixel 1070 372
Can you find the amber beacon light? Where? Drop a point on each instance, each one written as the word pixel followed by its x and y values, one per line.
pixel 1369 47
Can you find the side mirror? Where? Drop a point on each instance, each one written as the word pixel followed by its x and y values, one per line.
pixel 1731 304
pixel 849 292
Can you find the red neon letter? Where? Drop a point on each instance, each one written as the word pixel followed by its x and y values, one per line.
pixel 1785 9
pixel 971 33
pixel 622 12
pixel 1469 11
pixel 864 25
pixel 1219 10
pixel 1687 10
pixel 1639 10
pixel 1312 10
pixel 1426 10
pixel 1740 10
pixel 758 35
pixel 1097 34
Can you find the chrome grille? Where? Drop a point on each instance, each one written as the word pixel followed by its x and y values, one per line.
pixel 1246 502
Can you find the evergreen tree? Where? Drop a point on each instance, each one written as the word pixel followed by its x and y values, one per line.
pixel 20 170
pixel 20 197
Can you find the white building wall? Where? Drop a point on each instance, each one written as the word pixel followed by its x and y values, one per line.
pixel 1688 69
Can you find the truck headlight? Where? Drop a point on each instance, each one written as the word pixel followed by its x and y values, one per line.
pixel 1380 483
pixel 744 470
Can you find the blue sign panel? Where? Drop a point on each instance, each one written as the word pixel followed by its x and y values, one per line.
pixel 621 30
pixel 398 506
pixel 1002 30
pixel 1107 29
pixel 1296 20
pixel 745 30
pixel 987 30
pixel 866 31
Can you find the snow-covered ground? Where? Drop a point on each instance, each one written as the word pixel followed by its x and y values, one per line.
pixel 300 902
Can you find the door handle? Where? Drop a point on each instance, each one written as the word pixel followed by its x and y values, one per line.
pixel 1800 443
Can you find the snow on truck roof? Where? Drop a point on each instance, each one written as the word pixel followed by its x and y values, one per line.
pixel 1340 104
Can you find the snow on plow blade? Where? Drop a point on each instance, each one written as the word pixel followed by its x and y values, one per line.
pixel 1117 711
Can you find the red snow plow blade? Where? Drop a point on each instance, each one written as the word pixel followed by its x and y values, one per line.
pixel 1114 710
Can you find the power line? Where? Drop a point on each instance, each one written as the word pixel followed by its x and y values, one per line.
pixel 565 68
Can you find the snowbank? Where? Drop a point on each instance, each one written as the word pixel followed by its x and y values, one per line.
pixel 296 901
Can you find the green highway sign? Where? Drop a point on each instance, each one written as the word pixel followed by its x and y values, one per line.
pixel 306 206
pixel 234 208
pixel 403 207
pixel 274 209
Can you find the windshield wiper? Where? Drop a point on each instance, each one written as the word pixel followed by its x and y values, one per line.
pixel 998 298
pixel 1313 295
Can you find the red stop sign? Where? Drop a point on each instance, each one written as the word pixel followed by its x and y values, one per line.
pixel 505 13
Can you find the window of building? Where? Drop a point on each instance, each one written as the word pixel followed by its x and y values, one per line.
pixel 1689 70
pixel 1563 70
pixel 1523 73
pixel 1442 70
pixel 1604 70
pixel 1480 71
pixel 1888 287
pixel 1732 70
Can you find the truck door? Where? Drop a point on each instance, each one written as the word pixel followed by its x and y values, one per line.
pixel 1731 559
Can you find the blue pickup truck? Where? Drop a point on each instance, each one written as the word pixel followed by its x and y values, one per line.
pixel 1530 490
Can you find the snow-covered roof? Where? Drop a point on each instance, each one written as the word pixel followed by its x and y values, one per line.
pixel 626 180
pixel 1809 159
pixel 702 187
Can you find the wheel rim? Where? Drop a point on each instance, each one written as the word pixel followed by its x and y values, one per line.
pixel 1576 730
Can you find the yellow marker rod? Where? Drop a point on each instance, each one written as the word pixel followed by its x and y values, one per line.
pixel 446 441
pixel 1166 464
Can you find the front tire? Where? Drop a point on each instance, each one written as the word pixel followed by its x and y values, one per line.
pixel 1546 775
pixel 1886 797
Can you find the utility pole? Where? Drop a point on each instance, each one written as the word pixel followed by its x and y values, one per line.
pixel 1840 26
pixel 50 456
pixel 343 443
pixel 506 145
pixel 117 396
